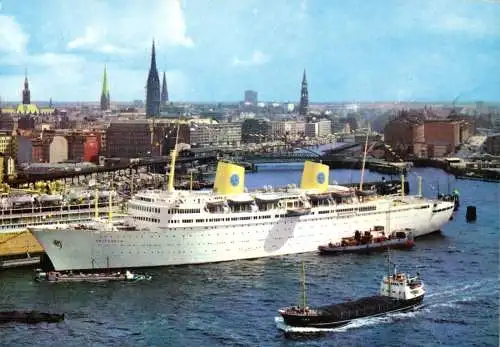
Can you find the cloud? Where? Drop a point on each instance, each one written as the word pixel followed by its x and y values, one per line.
pixel 375 50
pixel 13 39
pixel 114 30
pixel 92 40
pixel 91 37
pixel 474 18
pixel 303 7
pixel 257 58
pixel 175 24
pixel 75 75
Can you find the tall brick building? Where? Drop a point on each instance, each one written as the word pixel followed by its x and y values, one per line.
pixel 441 137
pixel 412 135
pixel 129 139
pixel 405 132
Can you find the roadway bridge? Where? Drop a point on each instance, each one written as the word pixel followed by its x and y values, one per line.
pixel 277 157
pixel 292 154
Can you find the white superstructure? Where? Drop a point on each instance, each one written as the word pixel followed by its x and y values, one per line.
pixel 184 227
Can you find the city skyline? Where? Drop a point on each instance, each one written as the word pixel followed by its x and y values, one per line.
pixel 356 51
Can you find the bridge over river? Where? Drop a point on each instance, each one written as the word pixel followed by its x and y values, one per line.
pixel 297 154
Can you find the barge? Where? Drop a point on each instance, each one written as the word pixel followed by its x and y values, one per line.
pixel 398 293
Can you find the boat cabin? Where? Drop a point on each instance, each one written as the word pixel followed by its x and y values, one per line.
pixel 267 202
pixel 366 195
pixel 342 197
pixel 401 286
pixel 322 199
pixel 242 204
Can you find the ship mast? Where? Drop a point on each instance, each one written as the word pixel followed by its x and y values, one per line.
pixel 303 285
pixel 110 212
pixel 364 161
pixel 388 249
pixel 96 204
pixel 389 269
pixel 173 155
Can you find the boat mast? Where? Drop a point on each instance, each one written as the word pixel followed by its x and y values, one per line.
pixel 364 161
pixel 388 248
pixel 96 204
pixel 389 269
pixel 110 212
pixel 389 219
pixel 173 155
pixel 303 282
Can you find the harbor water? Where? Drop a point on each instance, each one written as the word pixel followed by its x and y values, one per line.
pixel 235 303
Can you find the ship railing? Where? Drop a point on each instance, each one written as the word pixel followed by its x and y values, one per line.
pixel 34 208
pixel 7 216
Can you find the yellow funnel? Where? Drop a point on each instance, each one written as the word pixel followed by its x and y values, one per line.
pixel 229 179
pixel 315 176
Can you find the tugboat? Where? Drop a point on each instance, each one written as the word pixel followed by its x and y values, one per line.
pixel 371 241
pixel 398 293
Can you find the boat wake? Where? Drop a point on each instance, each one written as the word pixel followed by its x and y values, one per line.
pixel 475 288
pixel 355 324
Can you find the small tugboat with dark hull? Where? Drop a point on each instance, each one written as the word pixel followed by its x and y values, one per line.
pixel 65 277
pixel 398 293
pixel 30 317
pixel 371 241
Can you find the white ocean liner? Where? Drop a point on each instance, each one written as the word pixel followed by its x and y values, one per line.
pixel 183 227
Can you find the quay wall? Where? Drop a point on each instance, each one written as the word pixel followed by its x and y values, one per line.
pixel 18 243
pixel 465 173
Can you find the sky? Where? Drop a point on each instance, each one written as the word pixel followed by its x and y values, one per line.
pixel 213 50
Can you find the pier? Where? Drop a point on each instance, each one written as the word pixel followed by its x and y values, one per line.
pixel 18 262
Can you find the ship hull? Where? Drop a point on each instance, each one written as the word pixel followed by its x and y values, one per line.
pixel 339 315
pixel 30 317
pixel 16 239
pixel 249 237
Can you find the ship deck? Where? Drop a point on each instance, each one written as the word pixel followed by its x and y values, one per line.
pixel 368 303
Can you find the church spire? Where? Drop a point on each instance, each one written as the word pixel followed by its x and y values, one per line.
pixel 153 57
pixel 105 99
pixel 164 90
pixel 153 87
pixel 304 96
pixel 26 90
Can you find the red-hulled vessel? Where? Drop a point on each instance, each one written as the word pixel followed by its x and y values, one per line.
pixel 371 241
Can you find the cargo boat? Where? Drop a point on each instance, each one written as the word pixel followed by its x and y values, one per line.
pixel 398 293
pixel 371 241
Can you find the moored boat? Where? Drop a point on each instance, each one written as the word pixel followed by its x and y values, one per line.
pixel 370 241
pixel 30 317
pixel 398 292
pixel 231 222
pixel 20 209
pixel 62 277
